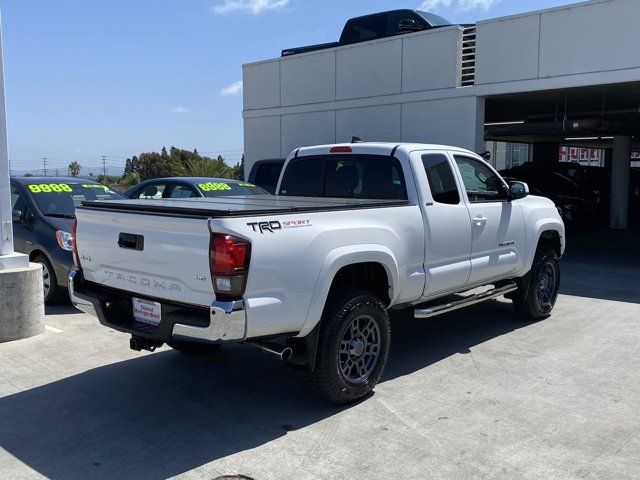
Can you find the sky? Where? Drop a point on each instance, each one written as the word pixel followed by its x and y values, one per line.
pixel 86 78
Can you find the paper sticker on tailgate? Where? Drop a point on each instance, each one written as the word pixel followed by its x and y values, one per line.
pixel 146 311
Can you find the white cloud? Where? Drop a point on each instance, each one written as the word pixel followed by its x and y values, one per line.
pixel 252 6
pixel 180 109
pixel 460 5
pixel 233 89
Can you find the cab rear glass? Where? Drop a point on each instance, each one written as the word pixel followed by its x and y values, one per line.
pixel 345 176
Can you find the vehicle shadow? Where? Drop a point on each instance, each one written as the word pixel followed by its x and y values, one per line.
pixel 163 414
pixel 62 309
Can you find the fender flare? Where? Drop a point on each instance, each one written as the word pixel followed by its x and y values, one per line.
pixel 342 257
pixel 541 226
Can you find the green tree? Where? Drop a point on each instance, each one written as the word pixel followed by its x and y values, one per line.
pixel 131 165
pixel 74 168
pixel 238 169
pixel 206 167
pixel 158 165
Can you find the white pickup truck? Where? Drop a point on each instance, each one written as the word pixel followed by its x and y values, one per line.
pixel 309 274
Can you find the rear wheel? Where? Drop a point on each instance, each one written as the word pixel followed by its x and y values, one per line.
pixel 542 292
pixel 193 348
pixel 352 349
pixel 50 287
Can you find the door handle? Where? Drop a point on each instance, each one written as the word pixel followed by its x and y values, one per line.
pixel 479 220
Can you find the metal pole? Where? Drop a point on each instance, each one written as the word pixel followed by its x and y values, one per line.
pixel 6 231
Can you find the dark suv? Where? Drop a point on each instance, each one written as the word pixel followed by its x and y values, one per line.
pixel 43 214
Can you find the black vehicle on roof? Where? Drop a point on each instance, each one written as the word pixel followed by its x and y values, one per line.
pixel 43 213
pixel 191 187
pixel 266 173
pixel 378 25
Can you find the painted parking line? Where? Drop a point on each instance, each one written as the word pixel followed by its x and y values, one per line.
pixel 53 329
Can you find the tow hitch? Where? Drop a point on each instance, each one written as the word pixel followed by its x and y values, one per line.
pixel 138 344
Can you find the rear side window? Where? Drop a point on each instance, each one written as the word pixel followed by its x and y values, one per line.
pixel 151 192
pixel 363 29
pixel 441 180
pixel 267 176
pixel 354 176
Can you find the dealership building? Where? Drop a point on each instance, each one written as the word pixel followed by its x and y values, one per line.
pixel 543 86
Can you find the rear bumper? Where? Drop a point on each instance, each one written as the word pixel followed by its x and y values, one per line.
pixel 221 322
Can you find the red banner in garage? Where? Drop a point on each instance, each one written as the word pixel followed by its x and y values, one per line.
pixel 588 156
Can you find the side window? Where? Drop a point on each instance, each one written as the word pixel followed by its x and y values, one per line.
pixel 151 192
pixel 441 180
pixel 480 182
pixel 303 177
pixel 183 191
pixel 394 19
pixel 17 200
pixel 363 29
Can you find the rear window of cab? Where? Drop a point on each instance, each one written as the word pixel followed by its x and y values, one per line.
pixel 345 176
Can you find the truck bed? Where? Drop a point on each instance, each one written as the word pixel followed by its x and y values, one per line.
pixel 240 206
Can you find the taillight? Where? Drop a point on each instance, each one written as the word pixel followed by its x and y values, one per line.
pixel 229 258
pixel 343 149
pixel 74 244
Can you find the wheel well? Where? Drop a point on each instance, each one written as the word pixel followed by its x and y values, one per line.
pixel 35 253
pixel 369 276
pixel 551 239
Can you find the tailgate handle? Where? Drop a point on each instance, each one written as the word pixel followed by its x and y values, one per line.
pixel 131 240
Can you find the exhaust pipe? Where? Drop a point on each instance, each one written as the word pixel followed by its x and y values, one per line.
pixel 284 353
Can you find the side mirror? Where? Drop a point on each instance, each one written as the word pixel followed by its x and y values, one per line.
pixel 409 25
pixel 518 190
pixel 16 216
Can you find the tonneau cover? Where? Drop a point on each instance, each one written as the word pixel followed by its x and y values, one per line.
pixel 240 206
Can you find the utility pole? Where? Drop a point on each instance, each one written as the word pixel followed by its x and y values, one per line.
pixel 104 168
pixel 44 166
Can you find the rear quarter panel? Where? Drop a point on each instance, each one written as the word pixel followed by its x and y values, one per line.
pixel 292 268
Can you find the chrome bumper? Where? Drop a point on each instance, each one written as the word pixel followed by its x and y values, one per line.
pixel 228 322
pixel 80 303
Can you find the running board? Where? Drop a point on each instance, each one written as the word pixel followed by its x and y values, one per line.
pixel 465 302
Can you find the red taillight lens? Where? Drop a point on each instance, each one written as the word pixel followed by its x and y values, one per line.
pixel 229 258
pixel 344 149
pixel 74 243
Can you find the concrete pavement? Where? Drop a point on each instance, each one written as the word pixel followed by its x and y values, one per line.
pixel 473 394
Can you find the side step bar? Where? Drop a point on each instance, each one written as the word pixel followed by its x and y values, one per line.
pixel 465 302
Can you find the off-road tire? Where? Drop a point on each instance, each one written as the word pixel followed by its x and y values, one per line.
pixel 529 306
pixel 193 348
pixel 327 378
pixel 53 294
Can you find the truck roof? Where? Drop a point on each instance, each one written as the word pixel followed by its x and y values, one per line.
pixel 374 148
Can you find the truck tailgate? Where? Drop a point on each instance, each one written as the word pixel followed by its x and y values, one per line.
pixel 162 257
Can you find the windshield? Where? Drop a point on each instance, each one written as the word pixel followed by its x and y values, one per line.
pixel 60 199
pixel 229 189
pixel 434 20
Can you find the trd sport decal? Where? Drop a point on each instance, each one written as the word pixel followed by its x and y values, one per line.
pixel 265 226
pixel 274 225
